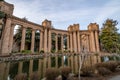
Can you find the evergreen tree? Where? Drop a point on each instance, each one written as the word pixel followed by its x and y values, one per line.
pixel 1 0
pixel 109 36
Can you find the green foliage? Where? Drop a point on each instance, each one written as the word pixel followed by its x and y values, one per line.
pixel 52 51
pixel 42 51
pixel 2 14
pixel 18 36
pixel 1 0
pixel 26 51
pixel 109 36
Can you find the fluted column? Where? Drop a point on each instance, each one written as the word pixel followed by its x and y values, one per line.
pixel 23 39
pixel 97 41
pixel 41 41
pixel 49 45
pixel 11 38
pixel 87 43
pixel 56 42
pixel 62 43
pixel 80 42
pixel 33 41
pixel 74 41
pixel 5 38
pixel 71 42
pixel 78 37
pixel 68 45
pixel 93 41
pixel 45 40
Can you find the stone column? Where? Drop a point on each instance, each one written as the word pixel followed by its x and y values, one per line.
pixel 78 37
pixel 20 66
pixel 11 38
pixel 93 41
pixel 33 41
pixel 30 67
pixel 62 43
pixel 49 45
pixel 89 43
pixel 71 42
pixel 41 41
pixel 68 42
pixel 56 42
pixel 75 42
pixel 45 40
pixel 80 42
pixel 87 39
pixel 5 38
pixel 97 41
pixel 23 39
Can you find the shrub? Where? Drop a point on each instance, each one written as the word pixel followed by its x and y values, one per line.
pixel 103 71
pixel 42 51
pixel 52 51
pixel 21 76
pixel 52 73
pixel 87 70
pixel 111 65
pixel 59 52
pixel 26 51
pixel 34 76
pixel 65 71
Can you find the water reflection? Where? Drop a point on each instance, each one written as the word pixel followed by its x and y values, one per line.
pixel 8 70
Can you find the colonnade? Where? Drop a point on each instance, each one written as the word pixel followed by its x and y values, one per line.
pixel 76 40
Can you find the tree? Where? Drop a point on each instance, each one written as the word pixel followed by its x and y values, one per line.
pixel 1 0
pixel 18 37
pixel 109 36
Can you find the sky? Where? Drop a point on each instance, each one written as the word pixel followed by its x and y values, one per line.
pixel 63 13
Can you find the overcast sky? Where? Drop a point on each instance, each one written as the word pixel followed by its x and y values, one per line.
pixel 63 13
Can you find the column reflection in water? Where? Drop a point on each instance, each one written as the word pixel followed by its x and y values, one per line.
pixel 11 69
pixel 4 70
